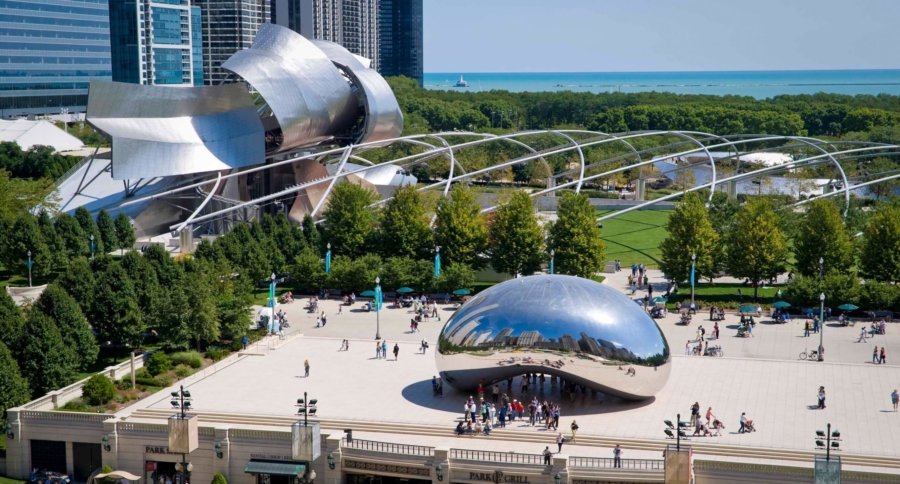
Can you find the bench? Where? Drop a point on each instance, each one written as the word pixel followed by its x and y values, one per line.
pixel 440 297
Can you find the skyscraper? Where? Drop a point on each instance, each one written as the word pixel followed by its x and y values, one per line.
pixel 400 35
pixel 49 52
pixel 351 23
pixel 156 42
pixel 229 26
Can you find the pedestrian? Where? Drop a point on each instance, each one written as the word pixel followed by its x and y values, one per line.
pixel 318 321
pixel 245 340
pixel 384 349
pixel 547 455
pixel 396 351
pixel 496 393
pixel 862 335
pixel 466 410
pixel 875 356
pixel 306 368
pixel 821 397
pixel 695 413
pixel 883 361
pixel 617 457
pixel 895 399
pixel 806 330
pixel 815 324
pixel 324 319
pixel 709 416
pixel 687 348
pixel 716 330
pixel 340 308
pixel 574 428
pixel 480 392
pixel 743 424
pixel 559 442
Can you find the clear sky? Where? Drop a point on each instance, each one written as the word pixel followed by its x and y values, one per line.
pixel 659 35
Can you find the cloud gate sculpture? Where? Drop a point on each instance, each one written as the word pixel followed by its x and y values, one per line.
pixel 577 329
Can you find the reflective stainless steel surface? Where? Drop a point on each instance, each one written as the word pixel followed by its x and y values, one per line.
pixel 577 329
pixel 163 131
pixel 310 98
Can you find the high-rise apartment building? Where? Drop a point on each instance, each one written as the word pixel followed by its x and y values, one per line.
pixel 401 49
pixel 49 51
pixel 156 42
pixel 350 23
pixel 229 26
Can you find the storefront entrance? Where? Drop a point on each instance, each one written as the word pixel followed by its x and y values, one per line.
pixel 86 459
pixel 373 479
pixel 276 472
pixel 160 473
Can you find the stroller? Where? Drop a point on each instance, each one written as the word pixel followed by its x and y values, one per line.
pixel 744 331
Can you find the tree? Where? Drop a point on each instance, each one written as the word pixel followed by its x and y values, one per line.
pixel 349 223
pixel 399 272
pixel 124 232
pixel 757 249
pixel 575 237
pixel 44 358
pixel 311 234
pixel 456 276
pixel 460 230
pixel 880 247
pixel 405 230
pixel 115 313
pixel 218 479
pixel 516 237
pixel 89 228
pixel 98 390
pixel 25 236
pixel 822 235
pixel 308 271
pixel 76 333
pixel 245 253
pixel 73 237
pixel 107 230
pixel 24 196
pixel 190 314
pixel 690 232
pixel 78 281
pixel 875 296
pixel 52 239
pixel 150 294
pixel 354 275
pixel 14 389
pixel 11 321
pixel 886 189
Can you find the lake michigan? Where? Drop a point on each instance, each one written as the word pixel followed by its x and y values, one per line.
pixel 758 84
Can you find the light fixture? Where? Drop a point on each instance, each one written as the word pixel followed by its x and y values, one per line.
pixel 557 478
pixel 822 297
pixel 105 441
pixel 10 435
pixel 330 460
pixel 440 472
pixel 178 467
pixel 219 453
pixel 190 467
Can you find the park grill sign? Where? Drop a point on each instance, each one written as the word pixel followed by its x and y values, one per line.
pixel 498 477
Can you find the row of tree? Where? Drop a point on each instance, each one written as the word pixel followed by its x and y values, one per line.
pixel 37 162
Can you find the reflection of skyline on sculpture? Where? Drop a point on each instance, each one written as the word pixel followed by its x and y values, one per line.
pixel 572 327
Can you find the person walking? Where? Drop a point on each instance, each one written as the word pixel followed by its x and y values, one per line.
pixel 687 348
pixel 245 340
pixel 743 423
pixel 306 368
pixel 547 453
pixel 806 330
pixel 617 456
pixel 495 393
pixel 716 330
pixel 882 360
pixel 559 442
pixel 822 397
pixel 875 356
pixel 396 351
pixel 424 345
pixel 574 428
pixel 862 335
pixel 709 416
pixel 895 398
pixel 377 350
pixel 695 413
pixel 384 349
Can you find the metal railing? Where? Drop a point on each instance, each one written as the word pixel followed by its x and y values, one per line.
pixel 609 463
pixel 387 447
pixel 510 457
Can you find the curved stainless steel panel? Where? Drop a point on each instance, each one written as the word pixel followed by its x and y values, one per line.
pixel 578 329
pixel 384 120
pixel 163 131
pixel 310 98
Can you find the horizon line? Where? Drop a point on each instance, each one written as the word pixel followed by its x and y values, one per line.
pixel 658 72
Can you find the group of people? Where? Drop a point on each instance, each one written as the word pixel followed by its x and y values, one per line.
pixel 701 427
pixel 381 350
pixel 878 358
pixel 287 297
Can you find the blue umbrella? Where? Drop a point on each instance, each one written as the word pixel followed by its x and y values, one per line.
pixel 462 292
pixel 367 294
pixel 405 290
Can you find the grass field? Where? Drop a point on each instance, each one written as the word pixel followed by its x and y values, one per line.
pixel 723 295
pixel 634 237
pixel 7 480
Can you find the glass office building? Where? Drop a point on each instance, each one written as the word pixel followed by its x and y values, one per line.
pixel 401 49
pixel 228 26
pixel 49 52
pixel 156 42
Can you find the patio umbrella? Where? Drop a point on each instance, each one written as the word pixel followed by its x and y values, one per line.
pixel 747 309
pixel 847 307
pixel 462 292
pixel 658 300
pixel 405 290
pixel 781 305
pixel 367 294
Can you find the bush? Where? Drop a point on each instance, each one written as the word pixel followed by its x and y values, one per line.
pixel 76 406
pixel 182 371
pixel 236 345
pixel 106 480
pixel 163 381
pixel 146 381
pixel 219 479
pixel 877 296
pixel 98 390
pixel 158 363
pixel 216 353
pixel 190 358
pixel 140 373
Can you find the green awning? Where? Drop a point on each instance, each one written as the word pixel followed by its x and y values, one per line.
pixel 275 468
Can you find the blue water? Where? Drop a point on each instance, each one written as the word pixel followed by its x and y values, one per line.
pixel 758 84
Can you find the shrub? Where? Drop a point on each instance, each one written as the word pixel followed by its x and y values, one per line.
pixel 876 296
pixel 158 363
pixel 106 480
pixel 163 381
pixel 76 406
pixel 236 345
pixel 140 373
pixel 182 371
pixel 219 479
pixel 216 353
pixel 147 381
pixel 190 358
pixel 98 390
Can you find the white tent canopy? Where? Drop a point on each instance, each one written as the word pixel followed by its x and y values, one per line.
pixel 29 133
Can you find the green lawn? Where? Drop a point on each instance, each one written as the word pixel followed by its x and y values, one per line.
pixel 722 295
pixel 634 237
pixel 7 480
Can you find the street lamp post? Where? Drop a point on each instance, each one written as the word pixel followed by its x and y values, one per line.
pixel 92 246
pixel 29 264
pixel 272 302
pixel 552 254
pixel 821 268
pixel 377 312
pixel 822 329
pixel 693 261
pixel 65 113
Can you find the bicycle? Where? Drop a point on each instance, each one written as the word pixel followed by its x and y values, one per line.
pixel 811 355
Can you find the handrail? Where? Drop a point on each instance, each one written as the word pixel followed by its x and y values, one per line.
pixel 387 447
pixel 71 171
pixel 609 463
pixel 509 457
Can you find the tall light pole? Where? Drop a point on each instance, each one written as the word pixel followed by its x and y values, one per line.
pixel 92 246
pixel 492 119
pixel 377 315
pixel 693 262
pixel 822 329
pixel 29 264
pixel 65 113
pixel 552 254
pixel 821 268
pixel 272 302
